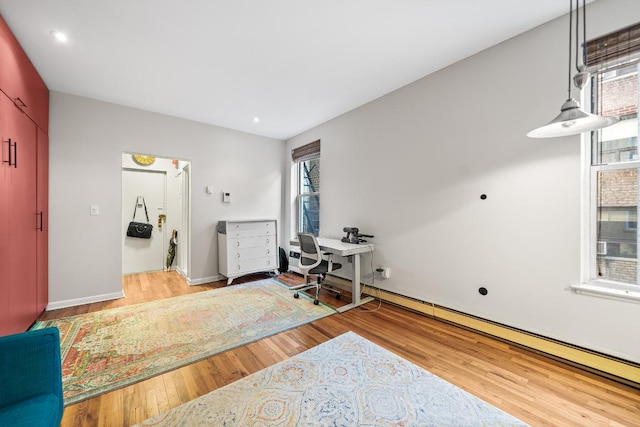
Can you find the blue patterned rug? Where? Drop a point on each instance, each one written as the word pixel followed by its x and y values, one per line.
pixel 347 381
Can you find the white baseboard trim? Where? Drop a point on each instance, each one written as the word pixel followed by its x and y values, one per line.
pixel 609 366
pixel 86 300
pixel 203 280
pixel 606 365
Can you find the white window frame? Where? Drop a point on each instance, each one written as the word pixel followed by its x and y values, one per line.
pixel 589 282
pixel 300 196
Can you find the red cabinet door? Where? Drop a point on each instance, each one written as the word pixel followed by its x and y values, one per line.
pixel 42 212
pixel 22 219
pixel 5 322
pixel 19 79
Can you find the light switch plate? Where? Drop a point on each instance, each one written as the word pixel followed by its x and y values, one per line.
pixel 95 210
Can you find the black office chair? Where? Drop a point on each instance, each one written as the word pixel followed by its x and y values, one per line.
pixel 312 262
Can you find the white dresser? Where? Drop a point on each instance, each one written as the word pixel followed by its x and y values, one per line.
pixel 246 247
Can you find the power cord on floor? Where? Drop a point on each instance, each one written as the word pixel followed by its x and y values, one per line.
pixel 372 286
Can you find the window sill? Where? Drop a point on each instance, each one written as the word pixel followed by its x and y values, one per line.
pixel 605 292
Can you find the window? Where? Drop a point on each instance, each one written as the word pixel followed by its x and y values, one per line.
pixel 613 164
pixel 307 159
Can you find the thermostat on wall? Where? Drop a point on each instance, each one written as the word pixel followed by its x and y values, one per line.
pixel 226 197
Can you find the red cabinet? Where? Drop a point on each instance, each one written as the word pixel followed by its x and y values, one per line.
pixel 42 227
pixel 20 81
pixel 24 105
pixel 19 164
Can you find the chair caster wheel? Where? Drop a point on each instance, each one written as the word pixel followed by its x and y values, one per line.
pixel 296 295
pixel 316 302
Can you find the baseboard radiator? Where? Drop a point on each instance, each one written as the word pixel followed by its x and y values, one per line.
pixel 617 369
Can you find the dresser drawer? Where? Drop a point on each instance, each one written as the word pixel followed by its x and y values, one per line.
pixel 249 265
pixel 258 227
pixel 251 232
pixel 251 242
pixel 250 253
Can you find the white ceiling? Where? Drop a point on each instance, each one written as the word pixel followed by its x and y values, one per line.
pixel 292 63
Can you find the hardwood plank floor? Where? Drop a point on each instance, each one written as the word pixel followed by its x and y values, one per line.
pixel 536 389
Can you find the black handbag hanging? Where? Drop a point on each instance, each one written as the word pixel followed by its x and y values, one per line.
pixel 140 230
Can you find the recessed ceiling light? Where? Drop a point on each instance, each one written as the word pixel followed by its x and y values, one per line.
pixel 256 119
pixel 61 37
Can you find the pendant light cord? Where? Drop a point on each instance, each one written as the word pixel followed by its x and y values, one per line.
pixel 577 41
pixel 579 69
pixel 570 47
pixel 584 33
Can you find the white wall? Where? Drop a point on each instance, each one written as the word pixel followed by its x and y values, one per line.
pixel 410 168
pixel 87 139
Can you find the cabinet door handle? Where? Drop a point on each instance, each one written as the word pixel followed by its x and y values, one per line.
pixel 41 215
pixel 13 148
pixel 8 142
pixel 19 102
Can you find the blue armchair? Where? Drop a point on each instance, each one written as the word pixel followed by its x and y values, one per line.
pixel 31 379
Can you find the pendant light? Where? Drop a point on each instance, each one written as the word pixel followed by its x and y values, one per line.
pixel 572 120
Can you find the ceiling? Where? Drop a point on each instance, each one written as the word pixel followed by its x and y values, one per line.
pixel 292 64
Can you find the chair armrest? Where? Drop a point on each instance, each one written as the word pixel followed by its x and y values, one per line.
pixel 30 366
pixel 329 260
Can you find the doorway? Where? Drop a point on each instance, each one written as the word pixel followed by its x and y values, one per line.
pixel 143 200
pixel 162 185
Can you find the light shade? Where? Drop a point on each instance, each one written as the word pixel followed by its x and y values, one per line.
pixel 572 121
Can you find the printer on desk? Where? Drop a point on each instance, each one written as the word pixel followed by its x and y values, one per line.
pixel 354 236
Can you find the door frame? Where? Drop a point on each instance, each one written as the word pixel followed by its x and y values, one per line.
pixel 182 264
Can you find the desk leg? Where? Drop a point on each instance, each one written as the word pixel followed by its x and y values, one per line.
pixel 355 284
pixel 355 287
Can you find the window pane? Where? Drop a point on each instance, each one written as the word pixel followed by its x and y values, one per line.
pixel 616 94
pixel 309 196
pixel 617 225
pixel 309 209
pixel 310 176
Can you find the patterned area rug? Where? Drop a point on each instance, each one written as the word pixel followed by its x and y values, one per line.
pixel 347 381
pixel 110 349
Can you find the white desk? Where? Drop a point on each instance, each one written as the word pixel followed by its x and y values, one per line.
pixel 353 250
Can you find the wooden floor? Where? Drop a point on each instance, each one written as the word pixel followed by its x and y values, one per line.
pixel 537 390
